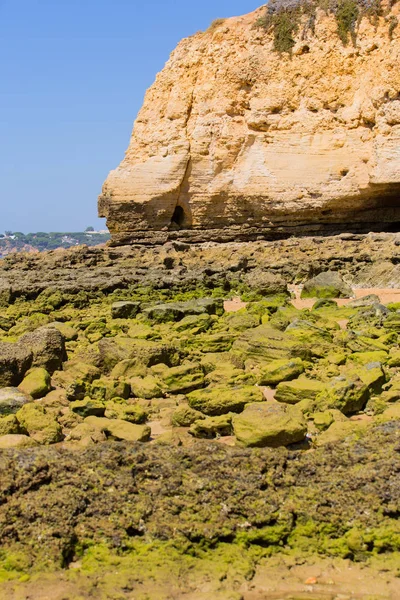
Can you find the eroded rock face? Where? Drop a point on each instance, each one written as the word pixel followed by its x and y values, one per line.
pixel 236 140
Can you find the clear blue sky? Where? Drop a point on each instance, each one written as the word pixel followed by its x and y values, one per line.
pixel 72 77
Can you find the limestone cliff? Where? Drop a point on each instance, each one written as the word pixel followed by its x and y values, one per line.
pixel 237 140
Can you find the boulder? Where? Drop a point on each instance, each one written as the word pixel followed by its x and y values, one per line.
pixel 345 394
pixel 280 370
pixel 175 311
pixel 118 429
pixel 265 283
pixel 16 441
pixel 40 425
pixel 264 344
pixel 328 284
pixel 220 400
pixel 146 387
pixel 269 424
pixel 143 352
pixel 12 399
pixel 47 347
pixel 86 434
pixel 212 427
pixel 15 360
pixel 68 332
pixel 185 416
pixel 37 383
pixel 194 323
pixel 292 392
pixel 87 407
pixel 125 310
pixel 182 379
pixel 126 411
pixel 9 425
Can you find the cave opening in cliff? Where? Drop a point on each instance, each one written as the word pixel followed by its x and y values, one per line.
pixel 178 217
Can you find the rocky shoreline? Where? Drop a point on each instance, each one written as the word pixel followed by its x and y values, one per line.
pixel 146 426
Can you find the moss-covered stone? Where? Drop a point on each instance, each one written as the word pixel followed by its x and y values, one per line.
pixel 68 332
pixel 220 400
pixel 12 399
pixel 88 407
pixel 212 427
pixel 16 441
pixel 185 416
pixel 194 323
pixel 328 284
pixel 347 395
pixel 292 392
pixel 146 387
pixel 126 411
pixel 86 434
pixel 40 425
pixel 124 309
pixel 118 429
pixel 340 430
pixel 144 352
pixel 280 370
pixel 241 320
pixel 9 425
pixel 269 424
pixel 264 344
pixel 364 358
pixel 211 342
pixel 323 420
pixel 182 379
pixel 37 383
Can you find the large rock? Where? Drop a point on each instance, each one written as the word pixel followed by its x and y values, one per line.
pixel 328 284
pixel 15 360
pixel 118 429
pixel 264 344
pixel 37 383
pixel 16 440
pixel 47 347
pixel 269 424
pixel 40 424
pixel 220 400
pixel 236 140
pixel 280 370
pixel 143 352
pixel 11 400
pixel 292 392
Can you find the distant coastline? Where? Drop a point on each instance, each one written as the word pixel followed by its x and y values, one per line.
pixel 41 241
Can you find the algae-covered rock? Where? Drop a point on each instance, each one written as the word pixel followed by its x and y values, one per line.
pixel 175 311
pixel 146 387
pixel 37 383
pixel 364 358
pixel 324 303
pixel 125 310
pixel 40 425
pixel 9 425
pixel 85 434
pixel 220 400
pixel 341 430
pixel 265 283
pixel 269 424
pixel 126 411
pixel 12 399
pixel 118 429
pixel 323 420
pixel 264 344
pixel 328 284
pixel 144 352
pixel 185 416
pixel 372 375
pixel 194 323
pixel 212 427
pixel 212 342
pixel 15 360
pixel 88 407
pixel 280 370
pixel 16 441
pixel 241 320
pixel 292 392
pixel 47 347
pixel 347 395
pixel 68 332
pixel 182 379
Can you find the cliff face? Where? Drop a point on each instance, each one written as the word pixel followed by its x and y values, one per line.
pixel 236 140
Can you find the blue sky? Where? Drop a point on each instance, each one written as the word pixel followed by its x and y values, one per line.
pixel 72 78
